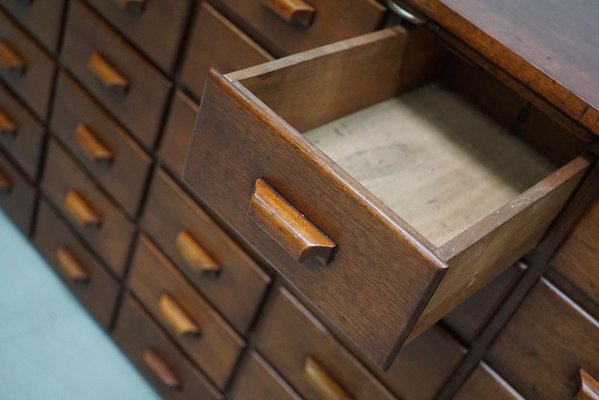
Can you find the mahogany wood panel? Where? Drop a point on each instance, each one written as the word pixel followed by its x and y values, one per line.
pixel 140 107
pixel 256 379
pixel 136 333
pixel 238 287
pixel 113 235
pixel 215 42
pixel 484 383
pixel 126 173
pixel 98 292
pixel 334 20
pixel 545 344
pixel 42 18
pixel 24 144
pixel 17 195
pixel 288 334
pixel 34 81
pixel 217 347
pixel 156 28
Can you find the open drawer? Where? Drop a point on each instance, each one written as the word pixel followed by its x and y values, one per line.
pixel 385 197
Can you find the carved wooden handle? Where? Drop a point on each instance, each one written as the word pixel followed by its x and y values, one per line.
pixel 292 11
pixel 10 60
pixel 92 146
pixel 7 125
pixel 287 226
pixel 133 6
pixel 323 383
pixel 177 318
pixel 110 77
pixel 81 210
pixel 74 270
pixel 5 182
pixel 161 369
pixel 195 255
pixel 589 387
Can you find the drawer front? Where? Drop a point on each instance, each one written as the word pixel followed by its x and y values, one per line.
pixel 129 87
pixel 216 42
pixel 177 134
pixel 21 135
pixel 578 258
pixel 42 18
pixel 484 383
pixel 324 21
pixel 182 311
pixel 301 349
pixel 469 318
pixel 100 143
pixel 89 210
pixel 17 195
pixel 83 273
pixel 153 353
pixel 206 255
pixel 154 26
pixel 27 69
pixel 546 343
pixel 258 380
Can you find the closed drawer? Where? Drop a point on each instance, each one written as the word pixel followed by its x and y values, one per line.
pixel 100 144
pixel 216 42
pixel 484 383
pixel 25 67
pixel 89 210
pixel 577 260
pixel 301 349
pixel 177 133
pixel 152 352
pixel 205 254
pixel 17 195
pixel 154 26
pixel 21 134
pixel 469 318
pixel 129 87
pixel 290 26
pixel 192 323
pixel 83 273
pixel 42 18
pixel 546 344
pixel 400 197
pixel 258 380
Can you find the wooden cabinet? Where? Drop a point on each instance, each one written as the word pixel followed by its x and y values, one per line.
pixel 17 195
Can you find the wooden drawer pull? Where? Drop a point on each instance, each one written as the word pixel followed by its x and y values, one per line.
pixel 5 182
pixel 161 369
pixel 7 125
pixel 296 12
pixel 81 210
pixel 287 226
pixel 9 59
pixel 92 146
pixel 133 6
pixel 74 270
pixel 323 383
pixel 110 77
pixel 195 255
pixel 177 318
pixel 589 387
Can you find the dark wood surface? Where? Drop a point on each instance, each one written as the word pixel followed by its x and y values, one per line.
pixel 239 286
pixel 34 84
pixel 256 379
pixel 217 347
pixel 17 198
pixel 137 333
pixel 113 237
pixel 156 30
pixel 99 291
pixel 484 383
pixel 549 45
pixel 140 108
pixel 25 146
pixel 126 174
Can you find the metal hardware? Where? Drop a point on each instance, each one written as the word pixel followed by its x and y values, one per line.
pixel 406 15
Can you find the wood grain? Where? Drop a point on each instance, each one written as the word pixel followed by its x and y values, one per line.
pixel 484 383
pixel 589 387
